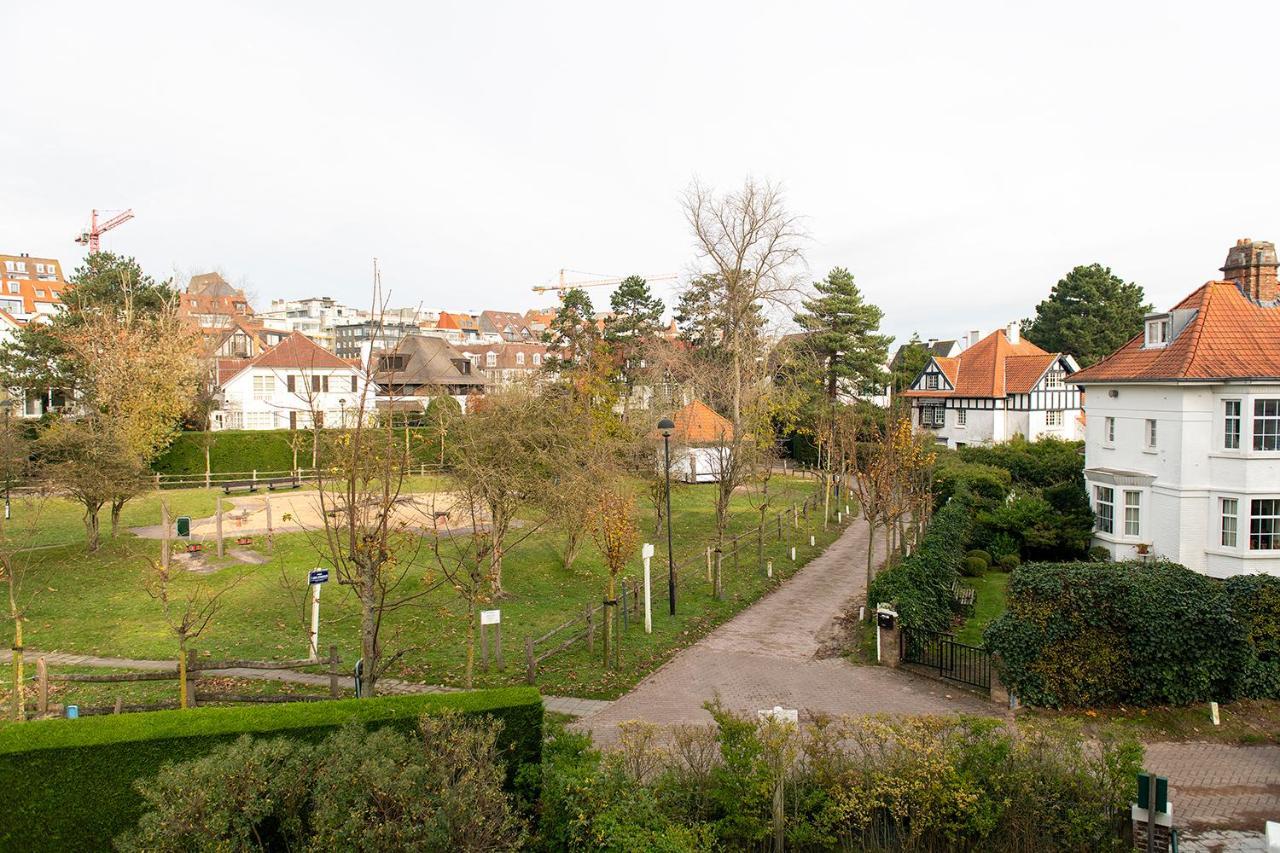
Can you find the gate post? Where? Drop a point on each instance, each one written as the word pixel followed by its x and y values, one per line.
pixel 888 636
pixel 999 693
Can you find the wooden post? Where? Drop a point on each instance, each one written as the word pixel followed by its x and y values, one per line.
pixel 779 527
pixel 709 578
pixel 530 665
pixel 484 647
pixel 271 541
pixel 623 593
pixel 717 586
pixel 166 547
pixel 254 476
pixel 333 672
pixel 157 481
pixel 735 558
pixel 497 647
pixel 795 518
pixel 208 470
pixel 219 527
pixel 591 630
pixel 191 678
pixel 119 707
pixel 42 687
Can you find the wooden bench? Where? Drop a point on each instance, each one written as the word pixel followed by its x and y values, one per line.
pixel 250 485
pixel 965 596
pixel 282 483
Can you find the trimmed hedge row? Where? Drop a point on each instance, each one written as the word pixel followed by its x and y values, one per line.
pixel 1090 634
pixel 263 450
pixel 69 785
pixel 920 585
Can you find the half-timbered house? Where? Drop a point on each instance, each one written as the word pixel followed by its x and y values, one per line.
pixel 999 387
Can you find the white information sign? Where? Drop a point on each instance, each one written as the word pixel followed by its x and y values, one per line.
pixel 490 617
pixel 646 551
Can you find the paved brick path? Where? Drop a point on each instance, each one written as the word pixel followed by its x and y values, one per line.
pixel 770 654
pixel 1214 785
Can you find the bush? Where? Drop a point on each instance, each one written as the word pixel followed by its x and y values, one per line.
pixel 1255 604
pixel 1008 562
pixel 1087 634
pixel 269 449
pixel 1099 554
pixel 1036 464
pixel 920 586
pixel 48 766
pixel 986 485
pixel 439 789
pixel 974 567
pixel 872 783
pixel 1039 529
pixel 980 554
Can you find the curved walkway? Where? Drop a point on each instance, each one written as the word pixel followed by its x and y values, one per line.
pixel 774 653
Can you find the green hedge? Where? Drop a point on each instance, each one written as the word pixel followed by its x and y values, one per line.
pixel 1097 634
pixel 920 585
pixel 986 484
pixel 263 450
pixel 69 784
pixel 1042 463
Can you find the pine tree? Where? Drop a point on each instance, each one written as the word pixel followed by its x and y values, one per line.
pixel 572 335
pixel 1089 314
pixel 908 362
pixel 635 321
pixel 844 335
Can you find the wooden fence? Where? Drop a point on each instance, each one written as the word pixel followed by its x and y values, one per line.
pixel 195 671
pixel 584 626
pixel 217 479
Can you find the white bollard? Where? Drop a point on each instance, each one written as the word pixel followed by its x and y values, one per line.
pixel 1213 713
pixel 811 541
pixel 793 553
pixel 769 568
pixel 647 551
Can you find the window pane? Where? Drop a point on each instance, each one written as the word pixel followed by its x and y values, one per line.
pixel 1231 424
pixel 1266 424
pixel 1264 524
pixel 1230 508
pixel 1104 502
pixel 1132 513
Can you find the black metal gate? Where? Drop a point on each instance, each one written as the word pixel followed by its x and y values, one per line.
pixel 950 659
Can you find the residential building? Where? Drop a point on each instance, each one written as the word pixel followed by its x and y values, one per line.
pixel 1182 446
pixel 316 317
pixel 210 303
pixel 289 386
pixel 351 339
pixel 998 387
pixel 507 326
pixel 506 363
pixel 421 367
pixel 245 339
pixel 701 444
pixel 30 287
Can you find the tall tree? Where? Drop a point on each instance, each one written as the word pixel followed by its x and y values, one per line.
pixel 635 319
pixel 749 245
pixel 1089 314
pixel 844 335
pixel 572 334
pixel 909 360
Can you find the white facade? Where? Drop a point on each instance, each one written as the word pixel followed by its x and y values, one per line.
pixel 1187 471
pixel 284 398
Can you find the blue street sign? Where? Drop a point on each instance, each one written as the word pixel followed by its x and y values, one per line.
pixel 318 576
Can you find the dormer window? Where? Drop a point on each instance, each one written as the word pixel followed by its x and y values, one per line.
pixel 931 382
pixel 1158 331
pixel 1053 380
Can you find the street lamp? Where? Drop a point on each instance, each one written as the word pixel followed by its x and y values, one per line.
pixel 666 426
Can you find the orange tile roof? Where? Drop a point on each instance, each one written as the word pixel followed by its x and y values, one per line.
pixel 1230 337
pixel 697 423
pixel 296 351
pixel 993 367
pixel 447 321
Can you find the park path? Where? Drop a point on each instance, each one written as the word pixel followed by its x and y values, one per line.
pixel 783 650
pixel 392 686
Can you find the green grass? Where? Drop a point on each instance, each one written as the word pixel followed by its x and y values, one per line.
pixel 96 604
pixel 1243 722
pixel 41 523
pixel 989 603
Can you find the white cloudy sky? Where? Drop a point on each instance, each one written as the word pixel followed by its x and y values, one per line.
pixel 958 157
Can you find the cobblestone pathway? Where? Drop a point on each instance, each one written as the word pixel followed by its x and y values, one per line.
pixel 773 653
pixel 1215 785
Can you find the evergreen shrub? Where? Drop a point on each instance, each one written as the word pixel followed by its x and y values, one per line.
pixel 920 585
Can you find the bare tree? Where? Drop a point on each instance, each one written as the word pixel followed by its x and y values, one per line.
pixel 616 536
pixel 18 531
pixel 749 246
pixel 187 614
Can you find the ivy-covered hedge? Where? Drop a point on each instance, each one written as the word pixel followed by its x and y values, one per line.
pixel 920 585
pixel 69 784
pixel 986 484
pixel 1041 463
pixel 1090 634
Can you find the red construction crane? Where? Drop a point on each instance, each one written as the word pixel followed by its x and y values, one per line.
pixel 96 229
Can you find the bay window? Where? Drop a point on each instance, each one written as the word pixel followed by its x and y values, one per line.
pixel 1266 424
pixel 1264 524
pixel 1104 508
pixel 1230 522
pixel 1231 424
pixel 1132 513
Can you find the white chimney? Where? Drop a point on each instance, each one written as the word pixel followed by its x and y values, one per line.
pixel 1013 333
pixel 975 336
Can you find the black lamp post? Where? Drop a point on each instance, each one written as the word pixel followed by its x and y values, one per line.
pixel 666 426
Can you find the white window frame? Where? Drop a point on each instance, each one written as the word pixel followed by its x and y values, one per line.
pixel 491 359
pixel 1109 430
pixel 537 359
pixel 1151 434
pixel 1053 418
pixel 1265 426
pixel 1055 380
pixel 962 417
pixel 1229 511
pixel 519 359
pixel 264 387
pixel 1231 437
pixel 1158 332
pixel 1104 522
pixel 1264 527
pixel 931 382
pixel 1132 512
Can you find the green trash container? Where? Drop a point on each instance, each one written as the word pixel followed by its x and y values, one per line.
pixel 184 526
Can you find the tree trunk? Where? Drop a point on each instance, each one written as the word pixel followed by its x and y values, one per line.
pixel 871 556
pixel 183 698
pixel 471 645
pixel 91 529
pixel 116 507
pixel 572 546
pixel 19 687
pixel 497 530
pixel 369 650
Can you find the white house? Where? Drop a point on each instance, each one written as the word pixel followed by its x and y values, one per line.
pixel 999 387
pixel 282 387
pixel 1182 450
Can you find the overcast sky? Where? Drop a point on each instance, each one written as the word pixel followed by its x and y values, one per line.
pixel 957 157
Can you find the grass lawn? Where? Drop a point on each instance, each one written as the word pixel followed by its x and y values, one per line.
pixel 989 603
pixel 1243 722
pixel 96 604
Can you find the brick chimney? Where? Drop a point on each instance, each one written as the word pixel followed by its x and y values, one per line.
pixel 1252 266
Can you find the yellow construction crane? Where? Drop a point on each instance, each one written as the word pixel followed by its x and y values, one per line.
pixel 563 285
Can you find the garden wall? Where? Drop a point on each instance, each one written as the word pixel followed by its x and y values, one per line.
pixel 69 784
pixel 1101 634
